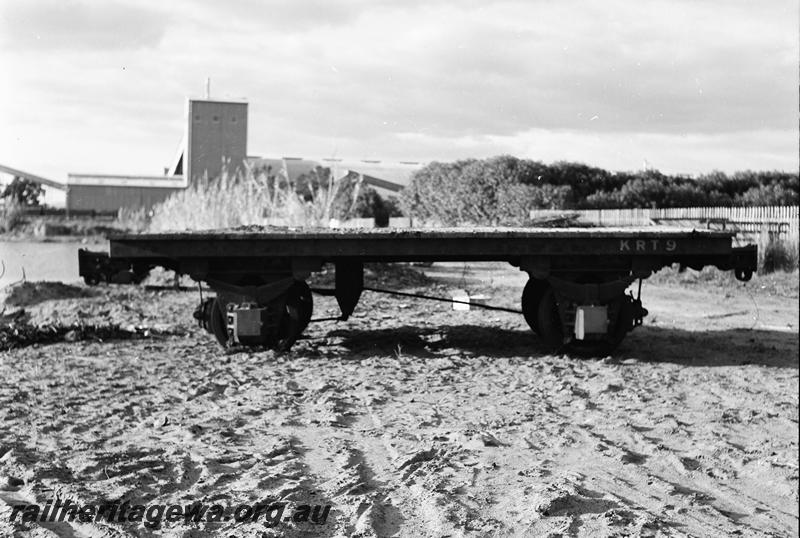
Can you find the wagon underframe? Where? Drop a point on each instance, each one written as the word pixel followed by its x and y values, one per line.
pixel 575 296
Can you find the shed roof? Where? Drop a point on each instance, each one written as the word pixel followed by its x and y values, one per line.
pixel 387 175
pixel 392 176
pixel 33 177
pixel 106 180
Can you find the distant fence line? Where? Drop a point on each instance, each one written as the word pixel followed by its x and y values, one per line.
pixel 780 220
pixel 749 223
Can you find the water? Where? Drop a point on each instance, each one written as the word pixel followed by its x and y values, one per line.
pixel 40 261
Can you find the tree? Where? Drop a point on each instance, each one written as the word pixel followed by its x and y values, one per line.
pixel 495 192
pixel 370 204
pixel 23 191
pixel 772 194
pixel 502 190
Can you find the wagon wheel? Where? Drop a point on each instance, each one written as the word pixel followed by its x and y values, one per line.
pixel 140 272
pixel 217 324
pixel 621 325
pixel 297 314
pixel 548 321
pixel 551 331
pixel 606 346
pixel 531 296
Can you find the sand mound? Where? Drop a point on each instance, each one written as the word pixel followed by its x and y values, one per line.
pixel 16 336
pixel 31 293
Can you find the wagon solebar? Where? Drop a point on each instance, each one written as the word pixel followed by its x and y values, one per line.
pixel 575 297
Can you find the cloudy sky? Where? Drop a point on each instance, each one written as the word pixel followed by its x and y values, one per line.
pixel 680 85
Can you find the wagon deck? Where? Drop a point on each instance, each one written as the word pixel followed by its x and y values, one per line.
pixel 386 244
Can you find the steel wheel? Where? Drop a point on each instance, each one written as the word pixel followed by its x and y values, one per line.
pixel 606 346
pixel 297 313
pixel 217 324
pixel 548 321
pixel 531 296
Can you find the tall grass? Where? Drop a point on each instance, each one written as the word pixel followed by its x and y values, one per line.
pixel 11 215
pixel 249 198
pixel 135 219
pixel 776 253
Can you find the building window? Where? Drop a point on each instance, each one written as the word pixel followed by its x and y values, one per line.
pixel 215 119
pixel 233 119
pixel 197 117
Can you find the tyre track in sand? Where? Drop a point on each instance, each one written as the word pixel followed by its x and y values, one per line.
pixel 411 421
pixel 348 455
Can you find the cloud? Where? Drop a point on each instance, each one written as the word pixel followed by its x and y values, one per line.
pixel 76 25
pixel 409 80
pixel 672 67
pixel 292 16
pixel 680 154
pixel 764 149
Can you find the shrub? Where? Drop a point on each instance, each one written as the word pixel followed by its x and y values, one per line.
pixel 23 191
pixel 11 216
pixel 765 195
pixel 776 254
pixel 475 192
pixel 494 191
pixel 370 204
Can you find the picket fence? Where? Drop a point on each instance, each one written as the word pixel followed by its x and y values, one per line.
pixel 781 221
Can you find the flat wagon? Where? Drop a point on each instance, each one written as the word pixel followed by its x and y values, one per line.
pixel 575 296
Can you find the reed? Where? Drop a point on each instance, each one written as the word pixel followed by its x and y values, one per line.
pixel 250 198
pixel 777 252
pixel 11 215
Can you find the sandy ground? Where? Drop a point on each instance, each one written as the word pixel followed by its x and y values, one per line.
pixel 414 420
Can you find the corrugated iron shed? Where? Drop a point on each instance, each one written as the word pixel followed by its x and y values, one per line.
pixel 108 193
